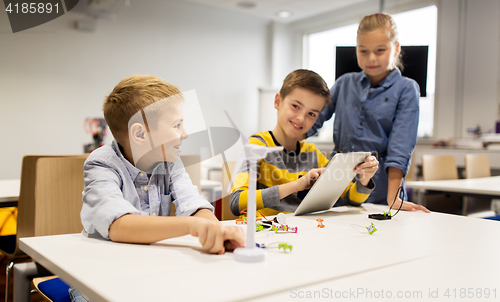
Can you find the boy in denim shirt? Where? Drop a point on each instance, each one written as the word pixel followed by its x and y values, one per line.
pixel 130 183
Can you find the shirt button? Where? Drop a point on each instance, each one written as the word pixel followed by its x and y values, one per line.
pixel 370 94
pixel 145 188
pixel 141 174
pixel 363 108
pixel 386 99
pixel 361 123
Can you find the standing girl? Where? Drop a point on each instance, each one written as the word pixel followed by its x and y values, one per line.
pixel 377 109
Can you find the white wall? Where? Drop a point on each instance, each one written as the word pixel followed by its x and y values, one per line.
pixel 52 77
pixel 482 53
pixel 467 66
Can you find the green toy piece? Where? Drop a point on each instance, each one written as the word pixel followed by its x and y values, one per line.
pixel 371 229
pixel 284 246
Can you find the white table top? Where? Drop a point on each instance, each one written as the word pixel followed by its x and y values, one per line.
pixel 9 190
pixel 450 276
pixel 482 186
pixel 342 253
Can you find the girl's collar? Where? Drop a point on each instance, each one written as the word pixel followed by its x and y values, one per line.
pixel 387 81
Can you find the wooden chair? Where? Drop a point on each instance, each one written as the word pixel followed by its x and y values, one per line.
pixel 477 165
pixel 441 167
pixel 193 169
pixel 50 201
pixel 226 213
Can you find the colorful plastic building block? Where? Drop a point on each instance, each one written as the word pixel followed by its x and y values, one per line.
pixel 371 229
pixel 244 221
pixel 285 246
pixel 280 218
pixel 284 228
pixel 320 223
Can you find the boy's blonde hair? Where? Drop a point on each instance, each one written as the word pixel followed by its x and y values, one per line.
pixel 383 22
pixel 131 96
pixel 306 79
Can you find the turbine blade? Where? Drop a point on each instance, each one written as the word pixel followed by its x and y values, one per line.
pixel 243 137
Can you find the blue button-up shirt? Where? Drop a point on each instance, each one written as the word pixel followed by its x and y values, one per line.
pixel 114 187
pixel 381 119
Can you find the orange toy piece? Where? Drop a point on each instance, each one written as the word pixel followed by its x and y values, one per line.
pixel 320 223
pixel 244 221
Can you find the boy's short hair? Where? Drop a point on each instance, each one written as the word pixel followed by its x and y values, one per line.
pixel 306 79
pixel 129 97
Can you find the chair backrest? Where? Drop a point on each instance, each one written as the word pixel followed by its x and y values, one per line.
pixel 50 198
pixel 477 165
pixel 192 164
pixel 58 195
pixel 439 167
pixel 227 171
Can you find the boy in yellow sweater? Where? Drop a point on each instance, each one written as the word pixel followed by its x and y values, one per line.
pixel 284 177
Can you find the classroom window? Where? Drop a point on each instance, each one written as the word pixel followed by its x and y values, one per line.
pixel 321 49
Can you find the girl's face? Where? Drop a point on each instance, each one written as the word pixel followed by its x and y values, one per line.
pixel 376 54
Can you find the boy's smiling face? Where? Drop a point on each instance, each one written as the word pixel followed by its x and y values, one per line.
pixel 162 143
pixel 298 112
pixel 170 133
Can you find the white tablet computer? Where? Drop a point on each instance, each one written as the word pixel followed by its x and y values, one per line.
pixel 332 182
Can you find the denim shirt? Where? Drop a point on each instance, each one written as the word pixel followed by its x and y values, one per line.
pixel 381 119
pixel 114 187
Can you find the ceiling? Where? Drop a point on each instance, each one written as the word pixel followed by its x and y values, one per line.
pixel 269 9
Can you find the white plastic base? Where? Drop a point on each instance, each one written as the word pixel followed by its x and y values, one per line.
pixel 250 254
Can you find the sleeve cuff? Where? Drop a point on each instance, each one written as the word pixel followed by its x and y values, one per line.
pixel 271 197
pixel 365 190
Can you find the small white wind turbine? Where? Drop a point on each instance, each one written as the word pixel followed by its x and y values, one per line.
pixel 251 253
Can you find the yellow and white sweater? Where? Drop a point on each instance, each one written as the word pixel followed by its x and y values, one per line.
pixel 283 167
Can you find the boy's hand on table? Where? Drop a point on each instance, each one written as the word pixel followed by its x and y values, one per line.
pixel 213 235
pixel 234 237
pixel 367 169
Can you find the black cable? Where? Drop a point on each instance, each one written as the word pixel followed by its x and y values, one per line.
pixel 401 191
pixel 388 216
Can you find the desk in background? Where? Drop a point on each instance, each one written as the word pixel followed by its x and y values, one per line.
pixel 9 192
pixel 485 187
pixel 341 256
